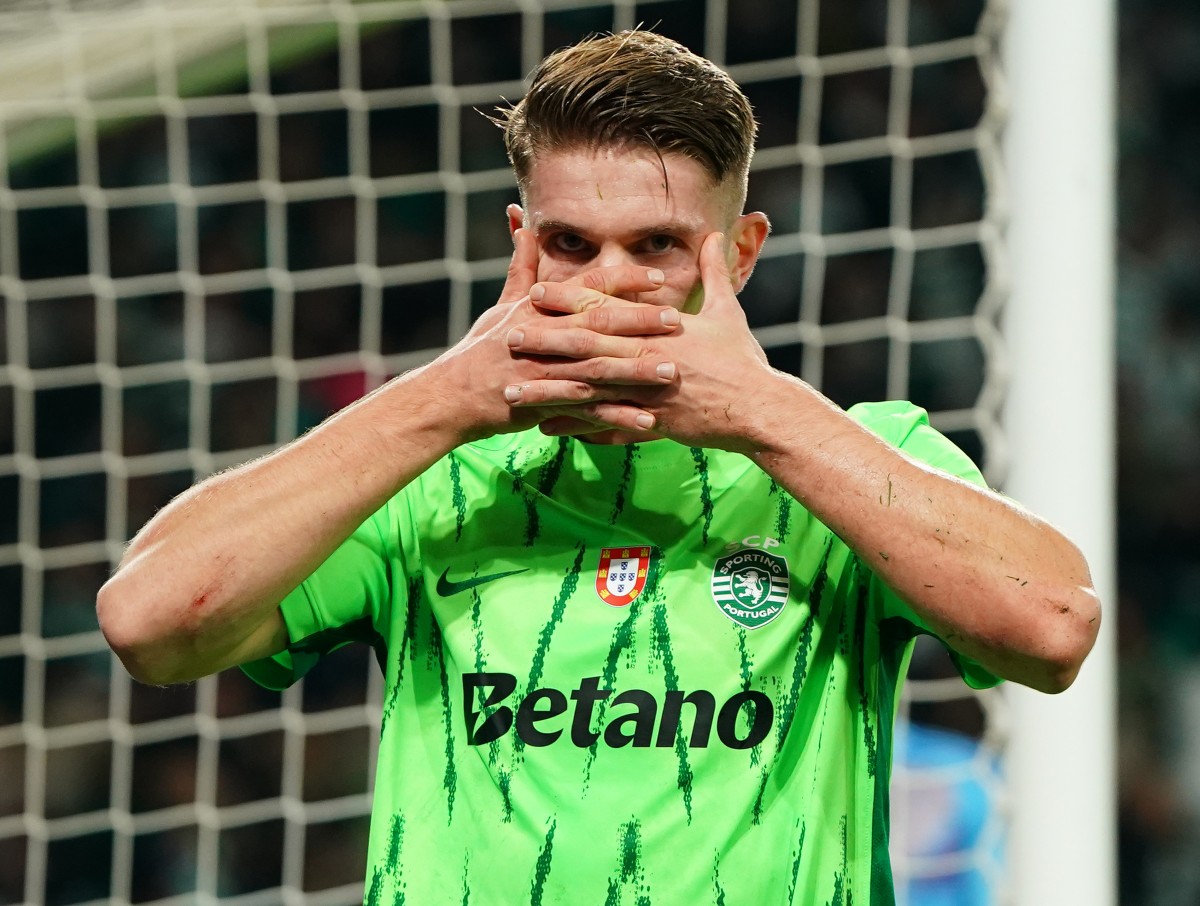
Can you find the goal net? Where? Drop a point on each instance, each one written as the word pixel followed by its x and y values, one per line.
pixel 221 221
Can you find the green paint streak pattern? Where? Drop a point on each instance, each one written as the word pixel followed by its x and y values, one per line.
pixel 375 891
pixel 800 665
pixel 718 890
pixel 706 501
pixel 796 863
pixel 662 645
pixel 545 857
pixel 391 870
pixel 622 641
pixel 783 517
pixel 791 698
pixel 457 496
pixel 466 883
pixel 530 501
pixel 864 706
pixel 631 455
pixel 450 777
pixel 746 668
pixel 504 779
pixel 841 896
pixel 416 589
pixel 569 586
pixel 629 868
pixel 550 471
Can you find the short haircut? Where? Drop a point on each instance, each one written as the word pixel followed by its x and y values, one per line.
pixel 633 89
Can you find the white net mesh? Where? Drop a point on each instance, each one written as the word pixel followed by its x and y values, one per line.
pixel 221 221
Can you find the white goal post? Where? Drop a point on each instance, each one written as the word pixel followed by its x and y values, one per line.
pixel 222 219
pixel 1060 422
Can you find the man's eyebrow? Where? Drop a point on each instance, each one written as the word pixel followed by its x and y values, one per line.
pixel 669 227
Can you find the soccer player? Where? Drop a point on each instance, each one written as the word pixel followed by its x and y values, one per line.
pixel 643 603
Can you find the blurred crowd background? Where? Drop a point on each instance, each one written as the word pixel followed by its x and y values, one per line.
pixel 1159 398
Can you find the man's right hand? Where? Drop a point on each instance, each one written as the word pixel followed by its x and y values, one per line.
pixel 476 370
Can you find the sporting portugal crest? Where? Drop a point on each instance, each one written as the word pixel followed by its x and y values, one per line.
pixel 751 586
pixel 622 574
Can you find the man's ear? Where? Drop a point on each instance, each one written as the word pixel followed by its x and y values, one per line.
pixel 516 217
pixel 746 238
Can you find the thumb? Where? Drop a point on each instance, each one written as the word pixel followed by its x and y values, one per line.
pixel 522 270
pixel 715 276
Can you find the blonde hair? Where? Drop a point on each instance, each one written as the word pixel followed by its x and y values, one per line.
pixel 633 89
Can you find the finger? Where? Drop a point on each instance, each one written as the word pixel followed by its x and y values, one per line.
pixel 599 417
pixel 596 287
pixel 556 392
pixel 522 269
pixel 600 332
pixel 714 273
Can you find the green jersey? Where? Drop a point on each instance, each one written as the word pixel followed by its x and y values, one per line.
pixel 634 674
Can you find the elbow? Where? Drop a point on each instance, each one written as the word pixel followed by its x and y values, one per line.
pixel 1068 639
pixel 127 626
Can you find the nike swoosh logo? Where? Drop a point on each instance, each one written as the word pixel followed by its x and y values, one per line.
pixel 446 587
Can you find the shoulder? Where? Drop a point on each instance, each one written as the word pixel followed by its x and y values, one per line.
pixel 906 426
pixel 893 420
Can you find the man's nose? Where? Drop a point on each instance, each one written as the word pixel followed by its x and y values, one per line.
pixel 614 255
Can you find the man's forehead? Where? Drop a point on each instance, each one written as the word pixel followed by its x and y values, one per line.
pixel 670 188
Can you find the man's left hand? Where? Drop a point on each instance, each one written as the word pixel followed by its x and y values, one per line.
pixel 723 384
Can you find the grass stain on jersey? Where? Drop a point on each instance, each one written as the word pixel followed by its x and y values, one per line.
pixel 662 645
pixel 457 496
pixel 706 501
pixel 450 777
pixel 796 858
pixel 631 454
pixel 542 870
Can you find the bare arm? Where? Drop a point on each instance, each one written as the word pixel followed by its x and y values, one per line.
pixel 995 582
pixel 199 586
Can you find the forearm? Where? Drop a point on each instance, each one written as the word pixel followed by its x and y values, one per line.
pixel 198 587
pixel 995 582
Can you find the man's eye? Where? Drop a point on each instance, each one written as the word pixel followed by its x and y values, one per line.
pixel 569 243
pixel 659 243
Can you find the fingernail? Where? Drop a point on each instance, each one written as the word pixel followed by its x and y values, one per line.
pixel 516 337
pixel 512 393
pixel 645 421
pixel 655 275
pixel 670 317
pixel 666 371
pixel 536 292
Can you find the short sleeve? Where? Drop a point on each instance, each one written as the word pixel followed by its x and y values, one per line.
pixel 345 600
pixel 907 427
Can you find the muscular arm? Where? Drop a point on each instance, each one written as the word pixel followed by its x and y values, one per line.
pixel 995 582
pixel 199 586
